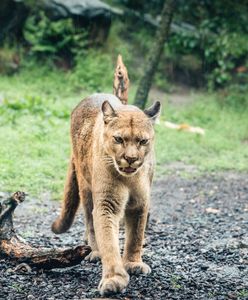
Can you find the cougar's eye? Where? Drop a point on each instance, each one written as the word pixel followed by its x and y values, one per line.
pixel 143 142
pixel 118 139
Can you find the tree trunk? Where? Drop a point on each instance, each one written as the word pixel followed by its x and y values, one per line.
pixel 14 247
pixel 155 53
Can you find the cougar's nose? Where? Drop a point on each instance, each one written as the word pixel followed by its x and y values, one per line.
pixel 130 159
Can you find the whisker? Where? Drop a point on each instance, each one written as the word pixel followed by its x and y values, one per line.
pixel 106 160
pixel 109 162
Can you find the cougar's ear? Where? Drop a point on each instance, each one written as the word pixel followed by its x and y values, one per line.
pixel 108 112
pixel 153 112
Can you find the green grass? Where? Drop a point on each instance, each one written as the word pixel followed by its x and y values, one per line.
pixel 224 145
pixel 35 107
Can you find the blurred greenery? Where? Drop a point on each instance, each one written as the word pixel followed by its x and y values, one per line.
pixel 93 71
pixel 213 32
pixel 59 38
pixel 34 121
pixel 45 76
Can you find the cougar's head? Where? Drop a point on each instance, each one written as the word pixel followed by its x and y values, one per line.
pixel 128 136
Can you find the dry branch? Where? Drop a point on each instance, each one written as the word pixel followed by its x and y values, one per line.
pixel 14 247
pixel 121 81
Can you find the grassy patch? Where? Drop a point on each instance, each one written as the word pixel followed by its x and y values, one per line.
pixel 34 131
pixel 35 107
pixel 224 146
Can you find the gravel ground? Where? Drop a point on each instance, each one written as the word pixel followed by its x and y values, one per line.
pixel 196 245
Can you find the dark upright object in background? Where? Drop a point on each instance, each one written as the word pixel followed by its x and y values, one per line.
pixel 155 54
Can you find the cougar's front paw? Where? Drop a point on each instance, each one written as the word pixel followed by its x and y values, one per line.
pixel 114 284
pixel 93 256
pixel 137 268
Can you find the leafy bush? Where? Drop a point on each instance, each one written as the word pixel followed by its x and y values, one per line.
pixel 221 53
pixel 225 54
pixel 218 38
pixel 53 37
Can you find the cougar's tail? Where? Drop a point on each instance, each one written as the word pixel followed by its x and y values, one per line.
pixel 70 202
pixel 121 81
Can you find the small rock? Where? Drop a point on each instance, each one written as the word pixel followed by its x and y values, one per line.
pixel 211 210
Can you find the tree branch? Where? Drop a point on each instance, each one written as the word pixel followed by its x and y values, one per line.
pixel 14 247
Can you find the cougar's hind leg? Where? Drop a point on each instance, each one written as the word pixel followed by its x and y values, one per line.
pixel 86 198
pixel 70 202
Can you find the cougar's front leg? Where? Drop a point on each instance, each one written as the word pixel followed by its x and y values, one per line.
pixel 108 210
pixel 135 227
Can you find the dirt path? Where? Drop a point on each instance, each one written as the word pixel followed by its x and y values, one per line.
pixel 197 246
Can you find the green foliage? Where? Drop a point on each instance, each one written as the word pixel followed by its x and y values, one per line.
pixel 219 38
pixel 225 53
pixel 221 53
pixel 93 71
pixel 213 34
pixel 94 68
pixel 53 37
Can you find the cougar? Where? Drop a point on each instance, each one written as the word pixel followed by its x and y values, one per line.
pixel 110 174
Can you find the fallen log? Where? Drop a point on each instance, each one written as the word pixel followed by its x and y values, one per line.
pixel 16 248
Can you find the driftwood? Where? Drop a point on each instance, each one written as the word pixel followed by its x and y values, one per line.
pixel 14 247
pixel 121 81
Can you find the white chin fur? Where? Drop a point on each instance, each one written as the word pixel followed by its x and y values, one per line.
pixel 127 174
pixel 124 173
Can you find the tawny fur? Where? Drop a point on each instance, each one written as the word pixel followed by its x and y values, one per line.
pixel 99 173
